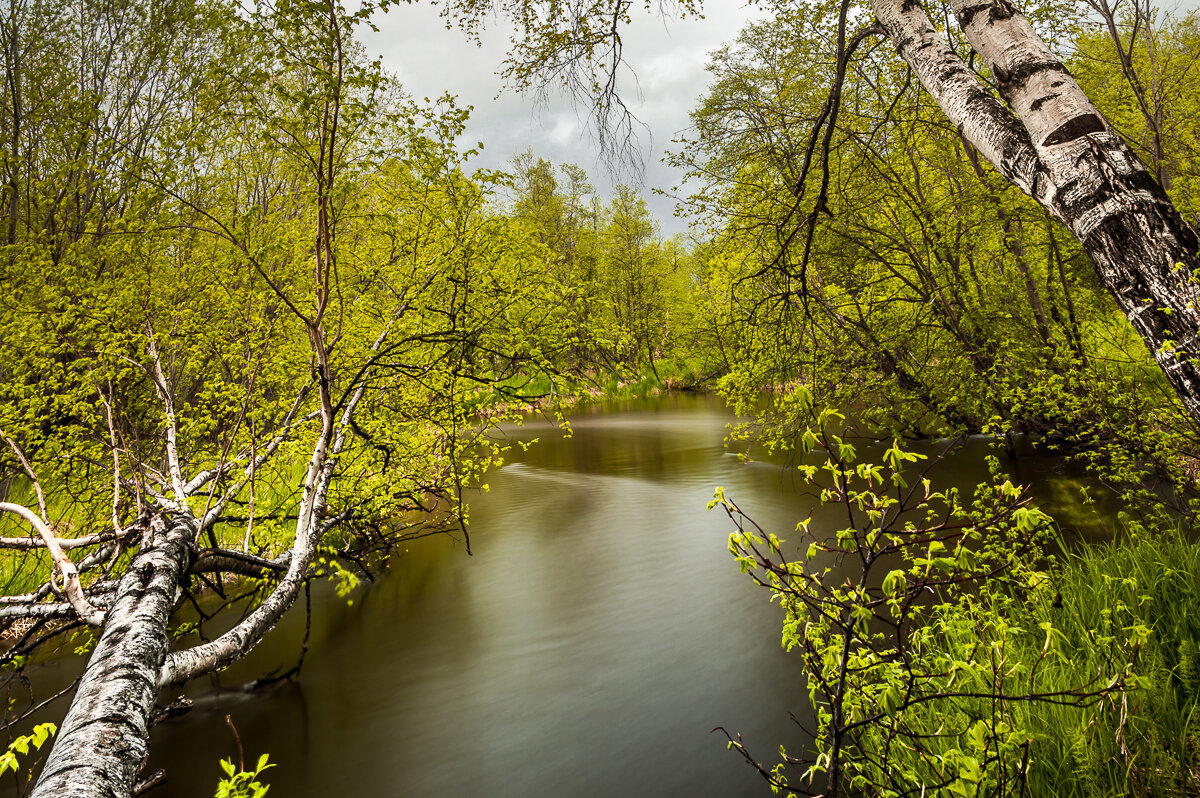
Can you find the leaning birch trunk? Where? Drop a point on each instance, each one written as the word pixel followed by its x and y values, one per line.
pixel 215 655
pixel 104 739
pixel 105 736
pixel 1052 143
pixel 182 666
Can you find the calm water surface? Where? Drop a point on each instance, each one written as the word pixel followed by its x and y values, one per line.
pixel 587 648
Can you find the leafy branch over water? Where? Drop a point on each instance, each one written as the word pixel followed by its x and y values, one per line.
pixel 940 654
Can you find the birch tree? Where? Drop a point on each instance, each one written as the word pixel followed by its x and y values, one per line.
pixel 936 298
pixel 254 366
pixel 1046 137
pixel 1025 115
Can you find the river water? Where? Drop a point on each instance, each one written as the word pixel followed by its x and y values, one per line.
pixel 597 634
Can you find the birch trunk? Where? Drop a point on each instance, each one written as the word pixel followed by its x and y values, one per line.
pixel 1052 143
pixel 215 655
pixel 104 738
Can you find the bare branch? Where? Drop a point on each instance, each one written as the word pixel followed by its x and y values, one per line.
pixel 164 394
pixel 37 484
pixel 70 574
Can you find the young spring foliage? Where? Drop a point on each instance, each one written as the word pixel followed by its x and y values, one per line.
pixel 243 783
pixel 932 631
pixel 932 297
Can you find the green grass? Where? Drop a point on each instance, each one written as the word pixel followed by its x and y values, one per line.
pixel 1121 613
pixel 1146 742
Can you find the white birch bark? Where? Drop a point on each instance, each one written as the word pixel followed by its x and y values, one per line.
pixel 1055 146
pixel 970 105
pixel 70 574
pixel 164 394
pixel 103 740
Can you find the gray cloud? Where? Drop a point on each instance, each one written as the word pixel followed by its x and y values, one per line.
pixel 665 77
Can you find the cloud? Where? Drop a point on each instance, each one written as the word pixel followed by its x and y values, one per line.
pixel 666 56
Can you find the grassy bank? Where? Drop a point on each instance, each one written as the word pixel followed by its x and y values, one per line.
pixel 951 646
pixel 1137 602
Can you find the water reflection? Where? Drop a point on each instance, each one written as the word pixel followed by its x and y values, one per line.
pixel 587 648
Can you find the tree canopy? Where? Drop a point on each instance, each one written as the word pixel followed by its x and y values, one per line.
pixel 260 311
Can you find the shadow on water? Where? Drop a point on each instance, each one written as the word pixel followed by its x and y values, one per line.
pixel 599 632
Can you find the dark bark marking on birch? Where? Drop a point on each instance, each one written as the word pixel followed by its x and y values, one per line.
pixel 1037 104
pixel 1077 128
pixel 909 5
pixel 967 14
pixel 1073 203
pixel 1000 11
pixel 1142 179
pixel 1016 142
pixel 1017 75
pixel 949 72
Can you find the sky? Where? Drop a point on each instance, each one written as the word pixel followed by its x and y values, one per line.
pixel 667 57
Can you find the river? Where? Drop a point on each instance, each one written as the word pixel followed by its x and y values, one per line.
pixel 597 634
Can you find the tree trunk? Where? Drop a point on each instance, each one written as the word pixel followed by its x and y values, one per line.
pixel 105 736
pixel 1054 145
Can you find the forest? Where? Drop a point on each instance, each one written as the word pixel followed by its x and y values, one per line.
pixel 264 319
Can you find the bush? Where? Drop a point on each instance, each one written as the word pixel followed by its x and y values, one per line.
pixel 948 653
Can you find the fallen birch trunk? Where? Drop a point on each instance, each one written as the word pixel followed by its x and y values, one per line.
pixel 103 741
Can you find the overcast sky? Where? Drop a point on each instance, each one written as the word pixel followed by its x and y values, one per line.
pixel 668 59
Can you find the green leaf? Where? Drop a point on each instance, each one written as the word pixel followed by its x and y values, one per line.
pixel 893 582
